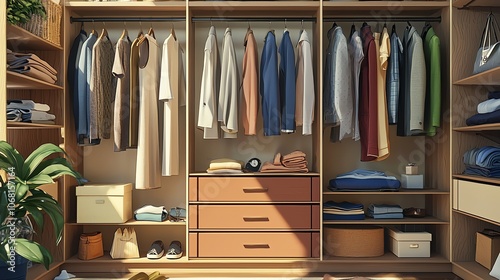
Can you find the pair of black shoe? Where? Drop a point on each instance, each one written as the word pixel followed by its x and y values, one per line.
pixel 157 249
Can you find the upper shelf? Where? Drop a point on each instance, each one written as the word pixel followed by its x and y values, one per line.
pixel 478 128
pixel 400 192
pixel 490 77
pixel 371 221
pixel 480 179
pixel 254 8
pixel 133 8
pixel 476 3
pixel 383 8
pixel 20 81
pixel 257 174
pixel 20 39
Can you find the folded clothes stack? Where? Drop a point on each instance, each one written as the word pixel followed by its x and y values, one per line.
pixel 29 111
pixel 292 162
pixel 361 179
pixel 225 166
pixel 151 213
pixel 343 211
pixel 385 211
pixel 31 65
pixel 483 161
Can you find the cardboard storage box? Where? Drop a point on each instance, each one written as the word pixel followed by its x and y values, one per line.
pixel 410 244
pixel 487 249
pixel 104 203
pixel 354 241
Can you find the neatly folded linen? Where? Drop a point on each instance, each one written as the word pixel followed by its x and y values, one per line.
pixel 225 163
pixel 361 179
pixel 27 104
pixel 150 209
pixel 477 119
pixel 488 106
pixel 224 171
pixel 41 116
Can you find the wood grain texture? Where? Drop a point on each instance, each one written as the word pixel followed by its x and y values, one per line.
pixel 3 70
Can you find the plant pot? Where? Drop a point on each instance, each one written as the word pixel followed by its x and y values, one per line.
pixel 14 271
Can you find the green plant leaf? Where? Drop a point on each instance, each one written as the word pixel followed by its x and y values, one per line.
pixel 3 204
pixel 11 156
pixel 36 214
pixel 21 190
pixel 53 210
pixel 38 155
pixel 4 247
pixel 40 179
pixel 33 252
pixel 57 167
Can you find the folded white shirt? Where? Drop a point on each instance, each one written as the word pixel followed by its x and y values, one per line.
pixel 27 104
pixel 41 116
pixel 488 106
pixel 150 209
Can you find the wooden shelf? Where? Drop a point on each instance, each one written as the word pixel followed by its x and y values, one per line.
pixel 472 269
pixel 479 179
pixel 143 260
pixel 21 39
pixel 253 8
pixel 257 174
pixel 133 223
pixel 38 270
pixel 20 81
pixel 371 221
pixel 400 192
pixel 219 230
pixel 387 258
pixel 476 217
pixel 490 77
pixel 387 5
pixel 478 128
pixel 253 202
pixel 132 8
pixel 475 3
pixel 24 125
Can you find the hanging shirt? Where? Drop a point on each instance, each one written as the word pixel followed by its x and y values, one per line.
pixel 269 86
pixel 102 88
pixel 368 106
pixel 250 88
pixel 383 47
pixel 207 110
pixel 356 56
pixel 305 96
pixel 148 152
pixel 121 70
pixel 229 88
pixel 134 94
pixel 84 74
pixel 172 94
pixel 72 74
pixel 393 77
pixel 287 84
pixel 432 46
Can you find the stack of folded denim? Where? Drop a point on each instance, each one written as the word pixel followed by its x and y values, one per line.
pixel 487 111
pixel 483 161
pixel 343 211
pixel 151 213
pixel 31 65
pixel 19 110
pixel 385 211
pixel 361 179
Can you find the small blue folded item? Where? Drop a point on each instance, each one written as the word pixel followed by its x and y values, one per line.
pixel 384 208
pixel 327 216
pixel 386 215
pixel 361 179
pixel 151 213
pixel 477 119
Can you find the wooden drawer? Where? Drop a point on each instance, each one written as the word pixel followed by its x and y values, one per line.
pixel 254 189
pixel 254 244
pixel 477 199
pixel 254 216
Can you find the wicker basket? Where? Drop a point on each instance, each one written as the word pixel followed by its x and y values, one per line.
pixel 49 28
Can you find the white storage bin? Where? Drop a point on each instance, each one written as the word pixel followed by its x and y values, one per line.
pixel 111 203
pixel 410 244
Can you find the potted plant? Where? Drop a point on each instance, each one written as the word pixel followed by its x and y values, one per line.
pixel 22 199
pixel 21 11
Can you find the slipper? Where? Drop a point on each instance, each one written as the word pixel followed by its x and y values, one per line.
pixel 156 276
pixel 139 276
pixel 174 250
pixel 156 250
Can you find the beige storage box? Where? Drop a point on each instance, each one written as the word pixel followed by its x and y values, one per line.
pixel 487 249
pixel 410 244
pixel 107 203
pixel 354 241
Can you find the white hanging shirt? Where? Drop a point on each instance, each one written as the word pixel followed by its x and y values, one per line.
pixel 304 105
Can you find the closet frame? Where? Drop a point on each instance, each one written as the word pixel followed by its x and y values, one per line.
pixel 438 165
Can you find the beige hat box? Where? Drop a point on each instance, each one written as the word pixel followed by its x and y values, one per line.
pixel 409 244
pixel 354 241
pixel 106 203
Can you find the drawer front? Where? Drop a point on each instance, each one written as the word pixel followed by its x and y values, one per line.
pixel 477 199
pixel 255 244
pixel 254 216
pixel 254 189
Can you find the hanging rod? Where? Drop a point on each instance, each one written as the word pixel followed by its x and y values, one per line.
pixel 262 19
pixel 122 19
pixel 386 18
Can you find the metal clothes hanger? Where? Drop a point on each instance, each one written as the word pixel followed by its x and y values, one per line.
pixel 125 32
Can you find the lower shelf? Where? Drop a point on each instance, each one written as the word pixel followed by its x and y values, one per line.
pixel 471 270
pixel 38 271
pixel 387 258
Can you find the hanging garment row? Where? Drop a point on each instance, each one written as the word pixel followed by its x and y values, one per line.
pixel 135 76
pixel 374 79
pixel 286 90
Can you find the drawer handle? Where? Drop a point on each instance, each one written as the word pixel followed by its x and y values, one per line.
pixel 256 190
pixel 256 246
pixel 413 245
pixel 99 201
pixel 256 219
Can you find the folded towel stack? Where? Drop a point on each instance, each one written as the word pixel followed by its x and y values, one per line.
pixel 293 162
pixel 29 111
pixel 31 65
pixel 343 211
pixel 225 166
pixel 385 211
pixel 151 213
pixel 483 161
